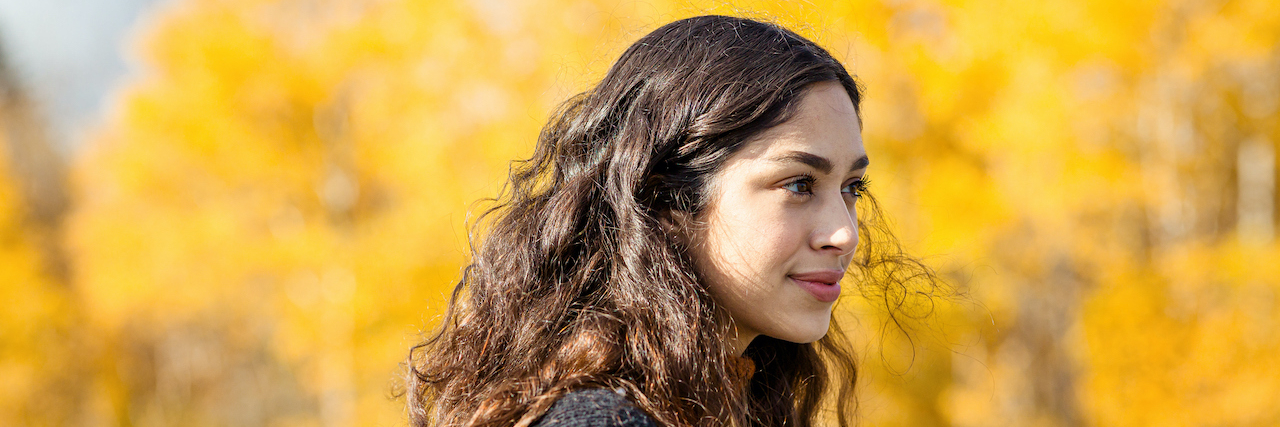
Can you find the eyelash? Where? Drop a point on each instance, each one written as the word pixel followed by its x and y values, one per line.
pixel 859 186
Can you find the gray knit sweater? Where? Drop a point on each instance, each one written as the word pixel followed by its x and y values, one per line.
pixel 594 408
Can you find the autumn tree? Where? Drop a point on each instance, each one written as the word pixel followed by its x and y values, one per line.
pixel 278 202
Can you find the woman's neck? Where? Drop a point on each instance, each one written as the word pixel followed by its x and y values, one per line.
pixel 739 338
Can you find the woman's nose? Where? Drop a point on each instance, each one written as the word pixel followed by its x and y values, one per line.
pixel 836 229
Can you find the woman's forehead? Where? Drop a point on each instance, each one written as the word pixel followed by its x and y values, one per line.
pixel 825 124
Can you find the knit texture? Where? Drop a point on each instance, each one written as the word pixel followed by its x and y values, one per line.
pixel 607 408
pixel 594 408
pixel 741 369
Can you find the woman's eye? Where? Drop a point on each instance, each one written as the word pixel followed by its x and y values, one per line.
pixel 856 188
pixel 802 186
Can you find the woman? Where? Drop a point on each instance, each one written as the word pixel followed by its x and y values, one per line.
pixel 671 253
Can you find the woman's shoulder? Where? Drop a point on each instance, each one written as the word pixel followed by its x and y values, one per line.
pixel 594 408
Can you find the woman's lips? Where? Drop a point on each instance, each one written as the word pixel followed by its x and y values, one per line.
pixel 823 285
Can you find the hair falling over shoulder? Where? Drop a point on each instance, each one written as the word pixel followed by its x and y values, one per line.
pixel 574 282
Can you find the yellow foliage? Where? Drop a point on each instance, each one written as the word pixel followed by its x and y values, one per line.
pixel 278 203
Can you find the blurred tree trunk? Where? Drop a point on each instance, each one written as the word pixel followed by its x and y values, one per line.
pixel 43 351
pixel 38 171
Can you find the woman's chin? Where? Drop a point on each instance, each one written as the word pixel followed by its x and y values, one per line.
pixel 804 335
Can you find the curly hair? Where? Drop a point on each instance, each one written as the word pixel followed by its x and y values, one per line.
pixel 574 282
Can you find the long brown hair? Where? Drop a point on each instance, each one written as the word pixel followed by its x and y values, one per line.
pixel 573 280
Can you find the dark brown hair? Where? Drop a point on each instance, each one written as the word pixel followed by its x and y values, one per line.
pixel 573 281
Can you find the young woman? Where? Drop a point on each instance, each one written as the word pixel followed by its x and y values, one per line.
pixel 671 253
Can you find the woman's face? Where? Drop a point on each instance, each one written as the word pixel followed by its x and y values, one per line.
pixel 780 228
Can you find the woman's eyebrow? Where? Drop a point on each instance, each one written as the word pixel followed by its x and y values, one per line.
pixel 822 164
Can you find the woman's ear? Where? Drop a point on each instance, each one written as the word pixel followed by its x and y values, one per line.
pixel 676 223
pixel 667 222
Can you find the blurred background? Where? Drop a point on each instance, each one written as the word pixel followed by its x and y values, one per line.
pixel 243 212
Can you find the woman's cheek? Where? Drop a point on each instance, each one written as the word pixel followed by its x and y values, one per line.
pixel 774 238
